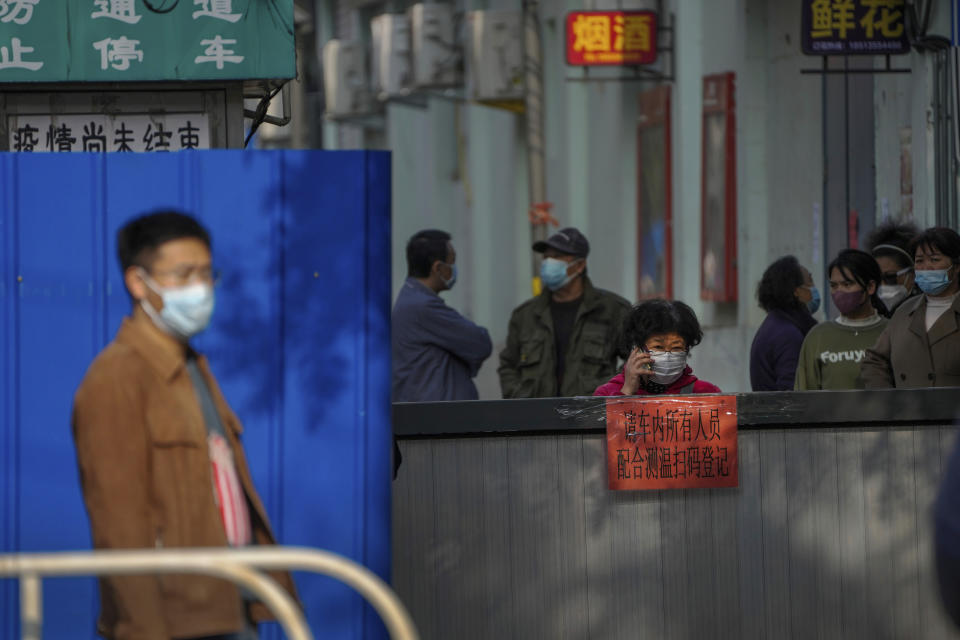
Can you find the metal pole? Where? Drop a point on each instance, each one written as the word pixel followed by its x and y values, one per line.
pixel 395 616
pixel 824 212
pixel 231 564
pixel 954 122
pixel 533 95
pixel 31 607
pixel 846 147
pixel 167 561
pixel 938 140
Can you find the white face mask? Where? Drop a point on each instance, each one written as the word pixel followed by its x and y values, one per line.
pixel 892 294
pixel 186 310
pixel 668 366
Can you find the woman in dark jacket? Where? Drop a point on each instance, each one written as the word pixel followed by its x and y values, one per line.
pixel 786 292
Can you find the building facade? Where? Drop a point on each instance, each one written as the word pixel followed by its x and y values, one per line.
pixel 809 162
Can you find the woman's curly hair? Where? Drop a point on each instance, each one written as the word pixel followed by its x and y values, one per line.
pixel 658 316
pixel 892 239
pixel 779 281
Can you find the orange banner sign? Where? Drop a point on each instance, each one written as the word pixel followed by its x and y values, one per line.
pixel 611 38
pixel 672 443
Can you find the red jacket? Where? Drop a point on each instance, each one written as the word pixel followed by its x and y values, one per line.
pixel 613 386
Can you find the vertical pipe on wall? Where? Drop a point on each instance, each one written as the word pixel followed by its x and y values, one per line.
pixel 936 137
pixel 846 147
pixel 949 145
pixel 942 162
pixel 938 147
pixel 824 211
pixel 533 98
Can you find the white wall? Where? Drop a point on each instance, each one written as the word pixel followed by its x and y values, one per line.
pixel 903 101
pixel 463 168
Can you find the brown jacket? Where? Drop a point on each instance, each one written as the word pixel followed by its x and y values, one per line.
pixel 907 356
pixel 145 470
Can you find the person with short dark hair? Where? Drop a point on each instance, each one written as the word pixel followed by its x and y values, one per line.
pixel 888 245
pixel 158 448
pixel 787 293
pixel 563 341
pixel 832 352
pixel 921 345
pixel 436 351
pixel 656 340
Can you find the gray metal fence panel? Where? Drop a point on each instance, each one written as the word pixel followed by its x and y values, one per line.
pixel 829 535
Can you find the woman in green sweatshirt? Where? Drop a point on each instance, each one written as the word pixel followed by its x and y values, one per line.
pixel 831 353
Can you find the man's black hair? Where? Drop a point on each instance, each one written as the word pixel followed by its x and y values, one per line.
pixel 893 234
pixel 779 281
pixel 942 239
pixel 863 268
pixel 138 240
pixel 425 248
pixel 658 316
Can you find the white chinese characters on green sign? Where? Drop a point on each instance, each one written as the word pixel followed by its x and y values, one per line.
pixel 117 40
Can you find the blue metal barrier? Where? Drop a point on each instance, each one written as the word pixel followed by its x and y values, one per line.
pixel 299 343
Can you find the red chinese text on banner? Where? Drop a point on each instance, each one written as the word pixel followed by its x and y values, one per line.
pixel 672 443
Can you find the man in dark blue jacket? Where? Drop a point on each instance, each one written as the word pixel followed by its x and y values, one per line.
pixel 436 351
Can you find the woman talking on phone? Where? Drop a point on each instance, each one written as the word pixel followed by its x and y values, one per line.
pixel 656 340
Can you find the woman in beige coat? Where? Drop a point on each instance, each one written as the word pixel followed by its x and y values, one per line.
pixel 921 345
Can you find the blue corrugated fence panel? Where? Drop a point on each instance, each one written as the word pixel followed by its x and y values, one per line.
pixel 327 348
pixel 299 342
pixel 376 426
pixel 8 396
pixel 60 281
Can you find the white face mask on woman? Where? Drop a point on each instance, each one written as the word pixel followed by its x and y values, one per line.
pixel 668 366
pixel 892 294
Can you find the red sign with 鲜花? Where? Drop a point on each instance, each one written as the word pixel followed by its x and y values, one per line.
pixel 672 443
pixel 611 38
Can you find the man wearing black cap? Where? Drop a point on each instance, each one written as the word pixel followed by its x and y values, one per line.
pixel 562 342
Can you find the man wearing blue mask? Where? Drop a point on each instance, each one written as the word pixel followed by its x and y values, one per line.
pixel 562 342
pixel 436 351
pixel 921 345
pixel 158 448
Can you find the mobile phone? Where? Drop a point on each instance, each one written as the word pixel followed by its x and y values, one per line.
pixel 648 366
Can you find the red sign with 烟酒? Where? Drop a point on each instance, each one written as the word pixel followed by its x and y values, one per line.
pixel 597 38
pixel 672 443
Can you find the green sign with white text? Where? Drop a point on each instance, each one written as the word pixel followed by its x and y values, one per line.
pixel 145 40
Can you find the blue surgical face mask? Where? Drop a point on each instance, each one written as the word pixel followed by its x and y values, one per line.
pixel 453 277
pixel 553 273
pixel 186 310
pixel 813 304
pixel 933 281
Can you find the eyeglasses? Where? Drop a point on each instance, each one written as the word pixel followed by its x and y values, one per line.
pixel 188 274
pixel 892 278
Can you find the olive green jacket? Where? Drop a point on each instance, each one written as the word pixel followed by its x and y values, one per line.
pixel 528 364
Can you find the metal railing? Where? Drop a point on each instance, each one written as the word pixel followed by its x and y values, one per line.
pixel 241 566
